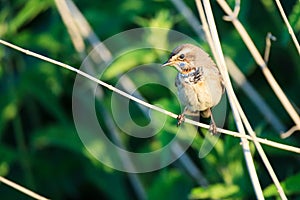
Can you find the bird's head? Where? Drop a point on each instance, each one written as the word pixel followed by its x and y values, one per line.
pixel 186 57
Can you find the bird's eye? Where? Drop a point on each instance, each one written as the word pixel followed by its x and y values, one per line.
pixel 181 56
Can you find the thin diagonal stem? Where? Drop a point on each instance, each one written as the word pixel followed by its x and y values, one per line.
pixel 246 122
pixel 286 21
pixel 218 54
pixel 190 17
pixel 170 114
pixel 78 29
pixel 254 96
pixel 21 189
pixel 260 61
pixel 89 35
pixel 269 39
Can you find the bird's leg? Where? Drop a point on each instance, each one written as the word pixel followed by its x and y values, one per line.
pixel 180 117
pixel 212 127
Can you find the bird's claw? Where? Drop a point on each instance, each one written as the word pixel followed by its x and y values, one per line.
pixel 212 129
pixel 180 119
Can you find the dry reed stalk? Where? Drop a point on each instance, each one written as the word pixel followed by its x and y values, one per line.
pixel 22 189
pixel 207 19
pixel 260 61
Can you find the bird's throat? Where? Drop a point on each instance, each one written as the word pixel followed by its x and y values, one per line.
pixel 192 76
pixel 187 71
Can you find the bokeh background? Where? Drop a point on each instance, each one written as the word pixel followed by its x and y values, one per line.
pixel 39 145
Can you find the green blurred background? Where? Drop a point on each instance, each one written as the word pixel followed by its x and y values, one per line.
pixel 39 145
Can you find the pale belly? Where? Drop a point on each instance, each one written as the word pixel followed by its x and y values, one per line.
pixel 194 98
pixel 200 96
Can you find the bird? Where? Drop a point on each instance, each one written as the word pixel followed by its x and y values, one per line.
pixel 199 82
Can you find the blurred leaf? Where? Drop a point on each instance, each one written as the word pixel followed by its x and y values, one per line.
pixel 161 20
pixel 290 186
pixel 3 25
pixel 217 191
pixel 106 181
pixel 7 157
pixel 40 88
pixel 4 168
pixel 41 94
pixel 27 13
pixel 170 184
pixel 8 111
pixel 57 136
pixel 294 17
pixel 294 22
pixel 128 61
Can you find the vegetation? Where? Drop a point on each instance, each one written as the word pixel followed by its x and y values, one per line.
pixel 39 145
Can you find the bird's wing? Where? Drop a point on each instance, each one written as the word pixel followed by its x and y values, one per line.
pixel 177 81
pixel 222 83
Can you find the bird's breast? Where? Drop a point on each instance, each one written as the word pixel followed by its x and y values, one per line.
pixel 198 95
pixel 192 75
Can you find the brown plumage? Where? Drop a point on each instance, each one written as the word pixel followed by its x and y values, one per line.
pixel 199 82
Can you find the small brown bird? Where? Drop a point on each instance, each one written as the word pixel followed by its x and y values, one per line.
pixel 199 82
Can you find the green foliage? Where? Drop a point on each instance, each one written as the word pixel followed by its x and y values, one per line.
pixel 39 145
pixel 290 186
pixel 217 191
pixel 135 58
pixel 170 184
pixel 27 13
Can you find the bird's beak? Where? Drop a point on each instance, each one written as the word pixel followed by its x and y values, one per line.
pixel 172 63
pixel 167 63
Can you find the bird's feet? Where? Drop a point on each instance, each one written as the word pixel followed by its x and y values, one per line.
pixel 212 128
pixel 180 119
